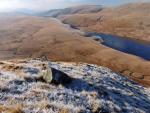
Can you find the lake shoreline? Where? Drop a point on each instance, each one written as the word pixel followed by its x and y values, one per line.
pixel 129 38
pixel 87 32
pixel 122 44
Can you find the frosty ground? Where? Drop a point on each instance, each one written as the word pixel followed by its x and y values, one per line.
pixel 94 89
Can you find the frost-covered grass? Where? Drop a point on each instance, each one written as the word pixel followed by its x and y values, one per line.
pixel 93 89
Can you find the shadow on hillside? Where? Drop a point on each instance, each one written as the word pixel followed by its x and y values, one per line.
pixel 125 96
pixel 15 87
pixel 128 95
pixel 79 85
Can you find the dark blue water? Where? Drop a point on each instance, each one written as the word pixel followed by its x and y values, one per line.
pixel 125 45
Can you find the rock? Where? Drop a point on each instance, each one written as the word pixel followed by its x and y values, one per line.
pixel 59 77
pixel 45 76
pixel 51 75
pixel 98 39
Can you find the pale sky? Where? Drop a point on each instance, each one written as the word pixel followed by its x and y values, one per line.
pixel 56 4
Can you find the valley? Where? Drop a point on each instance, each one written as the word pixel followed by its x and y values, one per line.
pixel 30 36
pixel 129 20
pixel 74 56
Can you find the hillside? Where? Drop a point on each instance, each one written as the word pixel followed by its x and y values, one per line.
pixel 72 10
pixel 130 20
pixel 27 36
pixel 93 89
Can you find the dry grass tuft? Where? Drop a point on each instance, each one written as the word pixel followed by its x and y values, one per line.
pixel 16 109
pixel 11 67
pixel 96 107
pixel 64 110
pixel 2 108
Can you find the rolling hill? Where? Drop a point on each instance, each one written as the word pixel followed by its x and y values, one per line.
pixel 72 10
pixel 28 36
pixel 130 20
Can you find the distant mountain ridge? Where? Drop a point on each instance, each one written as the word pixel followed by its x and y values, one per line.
pixel 73 10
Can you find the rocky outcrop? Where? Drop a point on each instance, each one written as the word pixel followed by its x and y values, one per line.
pixel 93 89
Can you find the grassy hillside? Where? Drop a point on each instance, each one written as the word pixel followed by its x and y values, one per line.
pixel 26 89
pixel 34 36
pixel 26 36
pixel 72 10
pixel 130 20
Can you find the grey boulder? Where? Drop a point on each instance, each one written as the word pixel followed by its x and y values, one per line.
pixel 54 76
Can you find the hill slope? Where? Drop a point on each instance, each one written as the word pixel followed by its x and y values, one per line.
pixel 72 10
pixel 93 89
pixel 35 36
pixel 130 20
pixel 26 36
